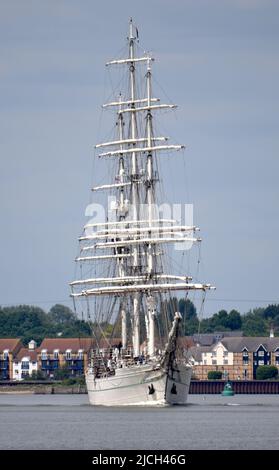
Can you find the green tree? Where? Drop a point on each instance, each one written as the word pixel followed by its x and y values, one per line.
pixel 24 321
pixel 30 322
pixel 214 375
pixel 254 325
pixel 234 321
pixel 214 323
pixel 271 312
pixel 206 326
pixel 62 373
pixel 61 315
pixel 266 372
pixel 189 315
pixel 187 309
pixel 37 375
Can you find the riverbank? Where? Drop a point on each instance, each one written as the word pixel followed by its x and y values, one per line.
pixel 41 388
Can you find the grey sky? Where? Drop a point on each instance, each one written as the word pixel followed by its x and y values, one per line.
pixel 217 59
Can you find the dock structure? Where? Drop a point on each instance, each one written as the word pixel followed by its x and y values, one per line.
pixel 253 387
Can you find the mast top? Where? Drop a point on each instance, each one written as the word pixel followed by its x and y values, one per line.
pixel 133 30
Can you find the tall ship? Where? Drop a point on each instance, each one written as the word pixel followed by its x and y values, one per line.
pixel 127 282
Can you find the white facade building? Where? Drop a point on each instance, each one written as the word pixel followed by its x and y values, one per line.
pixel 216 355
pixel 25 362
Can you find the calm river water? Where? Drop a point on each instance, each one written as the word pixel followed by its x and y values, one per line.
pixel 207 422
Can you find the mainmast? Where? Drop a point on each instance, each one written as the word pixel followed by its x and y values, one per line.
pixel 121 216
pixel 134 191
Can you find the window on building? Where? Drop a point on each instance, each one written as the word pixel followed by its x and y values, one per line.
pixel 5 355
pixel 44 354
pixel 261 363
pixel 225 362
pixel 25 365
pixel 214 361
pixel 213 353
pixel 24 373
pixel 226 353
pixel 245 353
pixel 68 354
pixel 56 354
pixel 80 354
pixel 261 353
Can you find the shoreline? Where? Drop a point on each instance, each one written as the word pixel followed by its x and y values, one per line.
pixel 21 389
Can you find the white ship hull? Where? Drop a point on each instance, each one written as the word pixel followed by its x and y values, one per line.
pixel 140 385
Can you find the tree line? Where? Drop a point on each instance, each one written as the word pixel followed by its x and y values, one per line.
pixel 30 322
pixel 256 322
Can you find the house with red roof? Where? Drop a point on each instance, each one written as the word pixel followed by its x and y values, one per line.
pixel 9 347
pixel 72 353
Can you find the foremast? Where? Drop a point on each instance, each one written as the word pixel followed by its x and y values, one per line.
pixel 134 241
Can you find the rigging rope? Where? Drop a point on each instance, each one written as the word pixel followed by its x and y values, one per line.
pixel 200 316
